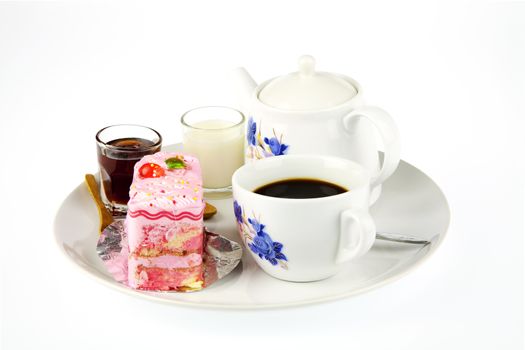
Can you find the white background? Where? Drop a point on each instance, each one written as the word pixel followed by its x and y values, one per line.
pixel 452 75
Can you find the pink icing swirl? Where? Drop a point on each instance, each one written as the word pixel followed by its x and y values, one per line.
pixel 166 214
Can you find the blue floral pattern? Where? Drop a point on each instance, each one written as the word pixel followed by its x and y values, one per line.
pixel 258 240
pixel 251 131
pixel 277 148
pixel 262 147
pixel 238 212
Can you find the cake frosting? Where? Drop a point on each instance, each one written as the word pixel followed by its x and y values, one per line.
pixel 164 223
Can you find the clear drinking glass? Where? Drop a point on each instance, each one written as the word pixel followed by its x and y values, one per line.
pixel 215 135
pixel 119 147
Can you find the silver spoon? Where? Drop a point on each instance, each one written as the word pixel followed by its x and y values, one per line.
pixel 396 237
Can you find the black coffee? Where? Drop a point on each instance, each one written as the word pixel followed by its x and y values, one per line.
pixel 300 188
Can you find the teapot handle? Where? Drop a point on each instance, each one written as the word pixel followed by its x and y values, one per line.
pixel 387 128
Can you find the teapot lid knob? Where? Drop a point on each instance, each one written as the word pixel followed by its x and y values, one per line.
pixel 306 66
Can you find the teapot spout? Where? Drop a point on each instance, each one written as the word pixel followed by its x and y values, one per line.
pixel 243 85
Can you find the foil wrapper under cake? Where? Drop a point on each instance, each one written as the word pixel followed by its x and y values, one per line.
pixel 220 256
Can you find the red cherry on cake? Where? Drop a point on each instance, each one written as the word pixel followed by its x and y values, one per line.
pixel 150 170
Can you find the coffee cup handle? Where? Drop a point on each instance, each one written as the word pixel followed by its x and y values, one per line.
pixel 357 235
pixel 387 128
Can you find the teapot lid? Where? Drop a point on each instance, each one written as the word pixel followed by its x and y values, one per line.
pixel 307 89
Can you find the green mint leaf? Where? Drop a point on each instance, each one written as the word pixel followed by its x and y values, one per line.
pixel 175 163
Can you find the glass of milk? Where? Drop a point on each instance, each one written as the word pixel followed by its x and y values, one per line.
pixel 215 135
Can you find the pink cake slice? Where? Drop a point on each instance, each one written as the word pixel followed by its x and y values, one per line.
pixel 164 223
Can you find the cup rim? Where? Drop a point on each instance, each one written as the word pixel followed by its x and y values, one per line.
pixel 183 121
pixel 249 192
pixel 124 149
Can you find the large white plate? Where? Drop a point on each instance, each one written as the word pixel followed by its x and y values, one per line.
pixel 411 203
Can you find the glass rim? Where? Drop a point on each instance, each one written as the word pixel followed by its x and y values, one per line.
pixel 125 149
pixel 183 121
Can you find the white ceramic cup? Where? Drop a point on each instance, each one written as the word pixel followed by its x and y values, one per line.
pixel 303 239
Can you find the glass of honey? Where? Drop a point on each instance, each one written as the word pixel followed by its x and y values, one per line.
pixel 119 147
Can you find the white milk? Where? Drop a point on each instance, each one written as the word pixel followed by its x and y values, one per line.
pixel 219 145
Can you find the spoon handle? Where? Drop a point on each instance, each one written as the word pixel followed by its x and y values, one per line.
pixel 396 237
pixel 104 215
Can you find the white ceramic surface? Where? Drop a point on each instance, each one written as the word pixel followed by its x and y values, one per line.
pixel 411 203
pixel 307 89
pixel 343 127
pixel 310 239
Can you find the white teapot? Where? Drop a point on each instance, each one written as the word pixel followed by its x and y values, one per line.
pixel 310 112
